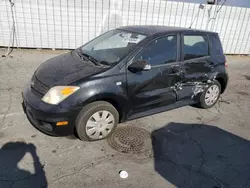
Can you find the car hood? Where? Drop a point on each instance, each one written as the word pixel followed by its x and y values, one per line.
pixel 65 69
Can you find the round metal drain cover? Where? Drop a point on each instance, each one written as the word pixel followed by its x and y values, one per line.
pixel 130 140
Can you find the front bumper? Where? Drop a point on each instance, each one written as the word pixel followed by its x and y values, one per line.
pixel 44 116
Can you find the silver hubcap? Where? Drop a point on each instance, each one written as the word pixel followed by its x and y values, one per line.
pixel 212 95
pixel 100 124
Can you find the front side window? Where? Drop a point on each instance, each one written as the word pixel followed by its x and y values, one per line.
pixel 195 46
pixel 112 46
pixel 160 51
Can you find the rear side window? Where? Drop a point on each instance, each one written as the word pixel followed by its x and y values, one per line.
pixel 195 46
pixel 216 44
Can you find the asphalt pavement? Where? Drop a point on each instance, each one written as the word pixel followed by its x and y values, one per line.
pixel 190 147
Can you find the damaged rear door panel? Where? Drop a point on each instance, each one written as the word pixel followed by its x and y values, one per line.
pixel 197 65
pixel 196 59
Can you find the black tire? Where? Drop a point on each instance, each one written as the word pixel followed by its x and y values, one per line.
pixel 87 111
pixel 202 102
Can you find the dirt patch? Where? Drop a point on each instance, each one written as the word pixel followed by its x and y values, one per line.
pixel 243 93
pixel 247 77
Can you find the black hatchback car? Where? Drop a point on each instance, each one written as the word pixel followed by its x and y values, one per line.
pixel 124 74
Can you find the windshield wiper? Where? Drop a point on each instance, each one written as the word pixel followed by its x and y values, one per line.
pixel 87 57
pixel 92 59
pixel 105 63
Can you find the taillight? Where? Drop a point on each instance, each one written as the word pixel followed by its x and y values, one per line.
pixel 226 65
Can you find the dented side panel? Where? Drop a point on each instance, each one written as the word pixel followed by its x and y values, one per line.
pixel 195 75
pixel 197 69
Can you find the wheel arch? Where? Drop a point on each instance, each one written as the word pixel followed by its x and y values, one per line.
pixel 119 102
pixel 223 83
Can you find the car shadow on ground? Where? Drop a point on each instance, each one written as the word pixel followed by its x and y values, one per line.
pixel 11 175
pixel 198 155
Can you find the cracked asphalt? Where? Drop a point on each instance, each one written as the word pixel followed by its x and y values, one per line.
pixel 191 147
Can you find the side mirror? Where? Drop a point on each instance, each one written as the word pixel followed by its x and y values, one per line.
pixel 139 65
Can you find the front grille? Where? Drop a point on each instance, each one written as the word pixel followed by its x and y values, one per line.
pixel 38 86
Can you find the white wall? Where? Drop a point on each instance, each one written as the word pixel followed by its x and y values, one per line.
pixel 68 24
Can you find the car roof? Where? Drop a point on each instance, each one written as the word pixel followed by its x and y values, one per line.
pixel 156 29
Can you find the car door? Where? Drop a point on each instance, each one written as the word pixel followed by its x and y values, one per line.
pixel 155 87
pixel 196 60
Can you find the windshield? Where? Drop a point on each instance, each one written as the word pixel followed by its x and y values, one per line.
pixel 113 46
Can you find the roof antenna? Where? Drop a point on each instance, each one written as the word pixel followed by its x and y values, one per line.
pixel 201 7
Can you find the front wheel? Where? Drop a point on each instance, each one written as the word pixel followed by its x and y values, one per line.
pixel 96 121
pixel 210 95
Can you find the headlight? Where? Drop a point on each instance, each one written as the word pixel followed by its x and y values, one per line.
pixel 58 93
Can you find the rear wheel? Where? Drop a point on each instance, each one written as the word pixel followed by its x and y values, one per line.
pixel 210 95
pixel 96 121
